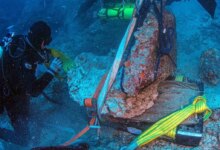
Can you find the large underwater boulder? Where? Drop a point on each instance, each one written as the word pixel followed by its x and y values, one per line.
pixel 210 66
pixel 135 89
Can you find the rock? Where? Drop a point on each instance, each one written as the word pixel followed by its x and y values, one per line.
pixel 140 67
pixel 216 115
pixel 210 136
pixel 135 89
pixel 84 78
pixel 210 66
pixel 136 79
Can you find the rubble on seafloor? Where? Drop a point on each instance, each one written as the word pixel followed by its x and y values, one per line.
pixel 210 66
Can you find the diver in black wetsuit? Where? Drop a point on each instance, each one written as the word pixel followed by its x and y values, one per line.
pixel 22 60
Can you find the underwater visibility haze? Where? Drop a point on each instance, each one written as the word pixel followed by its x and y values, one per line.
pixel 109 74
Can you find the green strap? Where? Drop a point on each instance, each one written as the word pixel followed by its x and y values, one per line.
pixel 169 123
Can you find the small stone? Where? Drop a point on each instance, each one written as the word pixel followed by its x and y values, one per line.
pixel 216 115
pixel 210 66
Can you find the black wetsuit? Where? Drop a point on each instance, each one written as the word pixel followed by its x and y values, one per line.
pixel 17 84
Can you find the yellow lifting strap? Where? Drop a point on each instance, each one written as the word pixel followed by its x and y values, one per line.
pixel 167 126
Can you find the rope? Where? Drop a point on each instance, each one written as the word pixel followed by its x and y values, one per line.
pixel 92 121
pixel 115 67
pixel 98 89
pixel 167 125
pixel 94 118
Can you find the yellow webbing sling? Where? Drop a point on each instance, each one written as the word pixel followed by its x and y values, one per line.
pixel 167 126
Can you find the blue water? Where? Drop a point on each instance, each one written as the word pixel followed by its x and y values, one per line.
pixel 53 124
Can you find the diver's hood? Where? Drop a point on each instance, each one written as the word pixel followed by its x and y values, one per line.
pixel 39 32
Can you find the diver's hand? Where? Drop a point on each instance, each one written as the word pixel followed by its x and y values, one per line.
pixel 55 66
pixel 40 70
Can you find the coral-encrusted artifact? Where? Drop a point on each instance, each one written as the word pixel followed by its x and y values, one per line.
pixel 137 89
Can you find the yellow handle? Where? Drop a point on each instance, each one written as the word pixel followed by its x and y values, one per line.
pixel 67 62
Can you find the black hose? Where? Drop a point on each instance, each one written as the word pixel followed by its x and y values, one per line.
pixel 141 15
pixel 165 43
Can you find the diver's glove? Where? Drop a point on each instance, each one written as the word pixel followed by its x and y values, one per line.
pixel 40 70
pixel 55 66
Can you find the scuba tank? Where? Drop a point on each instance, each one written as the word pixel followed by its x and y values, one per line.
pixel 119 11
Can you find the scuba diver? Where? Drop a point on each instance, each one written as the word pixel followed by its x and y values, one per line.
pixel 24 74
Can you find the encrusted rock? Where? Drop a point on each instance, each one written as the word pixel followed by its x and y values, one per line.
pixel 84 78
pixel 135 89
pixel 210 66
pixel 137 77
pixel 140 67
